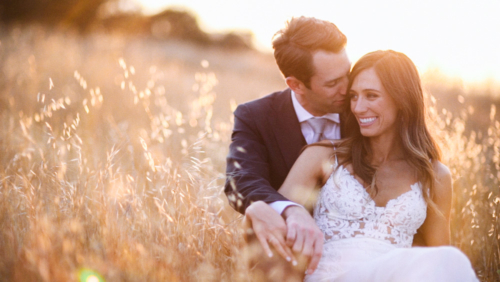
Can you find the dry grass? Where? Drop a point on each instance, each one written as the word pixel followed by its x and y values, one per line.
pixel 113 154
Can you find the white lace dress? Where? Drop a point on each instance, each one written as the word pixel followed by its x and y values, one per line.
pixel 364 242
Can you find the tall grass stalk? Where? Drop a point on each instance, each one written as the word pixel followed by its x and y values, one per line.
pixel 120 169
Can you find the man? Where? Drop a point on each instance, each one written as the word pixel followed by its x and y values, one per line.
pixel 270 132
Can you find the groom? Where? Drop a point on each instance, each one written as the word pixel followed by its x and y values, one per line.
pixel 269 133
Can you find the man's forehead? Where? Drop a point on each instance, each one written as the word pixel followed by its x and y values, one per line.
pixel 331 65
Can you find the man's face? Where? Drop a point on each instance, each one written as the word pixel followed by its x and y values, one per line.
pixel 328 87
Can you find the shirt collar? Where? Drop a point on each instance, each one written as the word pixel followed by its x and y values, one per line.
pixel 303 114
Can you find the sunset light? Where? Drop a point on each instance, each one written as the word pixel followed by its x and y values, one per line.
pixel 151 140
pixel 460 38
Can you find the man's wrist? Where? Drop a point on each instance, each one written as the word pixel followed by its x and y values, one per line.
pixel 288 211
pixel 280 206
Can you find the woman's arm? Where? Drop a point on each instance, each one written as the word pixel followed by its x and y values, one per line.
pixel 436 229
pixel 309 172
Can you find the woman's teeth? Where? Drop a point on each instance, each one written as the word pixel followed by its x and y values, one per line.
pixel 367 120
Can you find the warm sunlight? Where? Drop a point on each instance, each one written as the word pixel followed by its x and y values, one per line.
pixel 145 140
pixel 458 37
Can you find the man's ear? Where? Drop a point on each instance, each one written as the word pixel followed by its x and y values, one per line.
pixel 296 85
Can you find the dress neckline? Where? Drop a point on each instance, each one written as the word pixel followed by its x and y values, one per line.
pixel 371 200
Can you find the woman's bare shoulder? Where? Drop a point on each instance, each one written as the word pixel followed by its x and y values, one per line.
pixel 441 170
pixel 320 149
pixel 443 180
pixel 317 155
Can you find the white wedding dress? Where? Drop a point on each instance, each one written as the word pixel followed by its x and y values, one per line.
pixel 364 242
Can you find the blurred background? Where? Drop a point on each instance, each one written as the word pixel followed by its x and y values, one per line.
pixel 454 44
pixel 116 116
pixel 458 37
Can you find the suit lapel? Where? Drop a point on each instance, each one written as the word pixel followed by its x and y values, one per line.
pixel 286 128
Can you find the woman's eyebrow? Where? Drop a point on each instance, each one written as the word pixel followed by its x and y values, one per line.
pixel 370 89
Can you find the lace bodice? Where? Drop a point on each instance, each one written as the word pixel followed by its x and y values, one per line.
pixel 369 243
pixel 346 210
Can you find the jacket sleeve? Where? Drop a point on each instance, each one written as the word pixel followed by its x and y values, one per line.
pixel 248 168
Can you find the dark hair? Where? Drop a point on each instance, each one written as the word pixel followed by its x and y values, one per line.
pixel 401 81
pixel 294 45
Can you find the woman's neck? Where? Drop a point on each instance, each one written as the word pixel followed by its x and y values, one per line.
pixel 385 148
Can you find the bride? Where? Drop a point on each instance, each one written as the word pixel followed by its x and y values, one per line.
pixel 381 185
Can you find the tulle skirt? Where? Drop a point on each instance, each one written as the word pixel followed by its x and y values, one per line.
pixel 364 259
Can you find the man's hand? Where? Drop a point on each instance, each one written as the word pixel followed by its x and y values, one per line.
pixel 303 235
pixel 269 227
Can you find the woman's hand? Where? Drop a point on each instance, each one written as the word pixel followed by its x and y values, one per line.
pixel 304 236
pixel 270 228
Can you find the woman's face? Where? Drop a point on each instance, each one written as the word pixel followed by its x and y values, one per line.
pixel 375 111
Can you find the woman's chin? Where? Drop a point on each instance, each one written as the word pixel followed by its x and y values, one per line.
pixel 367 133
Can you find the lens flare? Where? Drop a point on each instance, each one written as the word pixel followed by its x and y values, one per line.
pixel 89 275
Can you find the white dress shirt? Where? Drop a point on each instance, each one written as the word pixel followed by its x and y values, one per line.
pixel 332 131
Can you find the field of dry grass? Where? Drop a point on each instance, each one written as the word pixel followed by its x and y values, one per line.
pixel 113 155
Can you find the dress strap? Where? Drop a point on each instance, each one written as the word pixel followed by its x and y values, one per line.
pixel 336 162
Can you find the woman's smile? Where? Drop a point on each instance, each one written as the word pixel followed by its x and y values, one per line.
pixel 366 121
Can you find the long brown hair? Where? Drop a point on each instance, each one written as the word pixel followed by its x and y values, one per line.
pixel 401 80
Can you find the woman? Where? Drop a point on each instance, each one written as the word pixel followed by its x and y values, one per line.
pixel 381 185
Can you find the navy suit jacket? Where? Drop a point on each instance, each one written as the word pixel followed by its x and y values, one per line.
pixel 266 141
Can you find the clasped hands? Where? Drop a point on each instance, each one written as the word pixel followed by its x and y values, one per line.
pixel 294 234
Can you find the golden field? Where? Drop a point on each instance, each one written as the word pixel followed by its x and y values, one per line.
pixel 113 156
